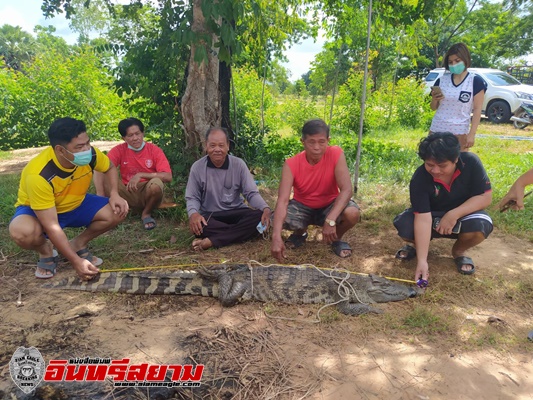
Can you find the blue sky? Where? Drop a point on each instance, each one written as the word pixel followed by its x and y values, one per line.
pixel 27 14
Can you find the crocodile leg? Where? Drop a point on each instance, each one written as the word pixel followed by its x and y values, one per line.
pixel 348 308
pixel 230 292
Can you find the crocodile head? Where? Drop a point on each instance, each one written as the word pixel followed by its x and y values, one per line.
pixel 383 290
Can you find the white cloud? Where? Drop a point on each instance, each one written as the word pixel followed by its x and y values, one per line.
pixel 22 15
pixel 301 55
pixel 27 14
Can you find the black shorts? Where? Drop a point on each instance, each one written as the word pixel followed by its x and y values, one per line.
pixel 299 216
pixel 478 221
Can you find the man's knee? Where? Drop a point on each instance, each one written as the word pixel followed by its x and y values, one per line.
pixel 153 190
pixel 295 225
pixel 107 217
pixel 351 215
pixel 472 236
pixel 25 230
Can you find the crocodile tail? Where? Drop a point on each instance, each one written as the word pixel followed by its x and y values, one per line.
pixel 178 282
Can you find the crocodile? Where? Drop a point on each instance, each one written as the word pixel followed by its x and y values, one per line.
pixel 352 293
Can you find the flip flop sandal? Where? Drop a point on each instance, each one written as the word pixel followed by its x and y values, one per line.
pixel 49 264
pixel 463 260
pixel 410 253
pixel 85 253
pixel 296 241
pixel 150 222
pixel 339 246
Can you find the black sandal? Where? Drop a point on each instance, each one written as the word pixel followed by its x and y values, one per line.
pixel 409 253
pixel 461 261
pixel 294 241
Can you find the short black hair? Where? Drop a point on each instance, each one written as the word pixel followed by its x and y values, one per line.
pixel 214 129
pixel 126 123
pixel 314 127
pixel 461 51
pixel 63 130
pixel 439 146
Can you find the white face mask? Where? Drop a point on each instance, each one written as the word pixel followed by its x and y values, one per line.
pixel 138 149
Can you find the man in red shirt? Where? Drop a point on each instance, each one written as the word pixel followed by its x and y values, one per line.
pixel 144 170
pixel 322 187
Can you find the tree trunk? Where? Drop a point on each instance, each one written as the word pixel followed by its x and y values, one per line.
pixel 201 107
pixel 225 96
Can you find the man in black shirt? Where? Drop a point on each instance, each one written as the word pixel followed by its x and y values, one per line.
pixel 448 194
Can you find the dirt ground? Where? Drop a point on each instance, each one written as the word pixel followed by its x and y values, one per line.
pixel 21 157
pixel 277 351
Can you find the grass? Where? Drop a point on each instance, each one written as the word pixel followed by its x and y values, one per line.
pixel 6 155
pixel 424 320
pixel 442 314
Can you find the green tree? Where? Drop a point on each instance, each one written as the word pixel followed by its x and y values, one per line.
pixel 91 17
pixel 278 77
pixel 218 35
pixel 498 33
pixel 55 85
pixel 300 88
pixel 16 46
pixel 249 128
pixel 330 68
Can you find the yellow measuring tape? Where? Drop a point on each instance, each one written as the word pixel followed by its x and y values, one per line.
pixel 181 266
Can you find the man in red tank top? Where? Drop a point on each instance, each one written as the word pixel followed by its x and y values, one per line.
pixel 322 188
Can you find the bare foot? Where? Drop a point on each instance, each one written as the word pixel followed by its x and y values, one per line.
pixel 201 244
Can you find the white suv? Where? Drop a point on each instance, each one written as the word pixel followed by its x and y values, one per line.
pixel 504 93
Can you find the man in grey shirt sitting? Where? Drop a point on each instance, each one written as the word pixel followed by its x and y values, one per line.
pixel 217 213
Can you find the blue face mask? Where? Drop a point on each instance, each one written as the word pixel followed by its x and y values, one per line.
pixel 139 149
pixel 457 68
pixel 81 158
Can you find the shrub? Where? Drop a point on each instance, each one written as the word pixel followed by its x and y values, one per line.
pixel 294 112
pixel 412 105
pixel 278 148
pixel 404 104
pixel 380 162
pixel 248 124
pixel 347 110
pixel 57 85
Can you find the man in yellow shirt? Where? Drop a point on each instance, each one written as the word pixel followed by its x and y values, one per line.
pixel 53 195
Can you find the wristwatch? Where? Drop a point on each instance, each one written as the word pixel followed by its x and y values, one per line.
pixel 330 222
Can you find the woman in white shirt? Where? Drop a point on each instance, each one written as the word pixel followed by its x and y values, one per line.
pixel 457 95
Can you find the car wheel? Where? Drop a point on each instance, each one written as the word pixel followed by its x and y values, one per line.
pixel 521 125
pixel 499 112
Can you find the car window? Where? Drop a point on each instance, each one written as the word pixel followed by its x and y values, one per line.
pixel 501 79
pixel 432 76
